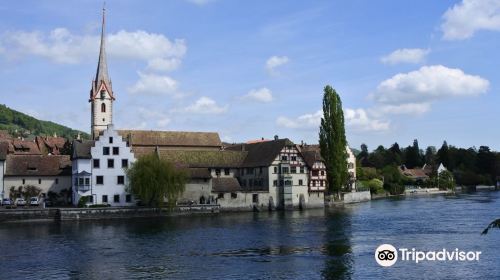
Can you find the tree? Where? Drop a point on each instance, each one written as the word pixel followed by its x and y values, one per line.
pixel 445 180
pixel 153 179
pixel 430 155
pixel 443 156
pixel 332 141
pixel 412 155
pixel 363 155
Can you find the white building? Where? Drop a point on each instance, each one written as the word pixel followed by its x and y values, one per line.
pixel 351 168
pixel 99 169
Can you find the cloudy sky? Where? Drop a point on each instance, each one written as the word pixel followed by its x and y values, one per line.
pixel 251 69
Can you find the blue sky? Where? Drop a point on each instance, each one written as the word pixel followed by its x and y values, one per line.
pixel 251 69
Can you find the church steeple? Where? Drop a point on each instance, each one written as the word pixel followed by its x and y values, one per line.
pixel 101 93
pixel 102 66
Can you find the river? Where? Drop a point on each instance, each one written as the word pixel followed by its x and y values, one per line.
pixel 334 243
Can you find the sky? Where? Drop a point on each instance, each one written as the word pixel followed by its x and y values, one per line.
pixel 405 70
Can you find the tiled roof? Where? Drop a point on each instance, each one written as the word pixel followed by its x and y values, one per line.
pixel 415 173
pixel 262 153
pixel 310 157
pixel 81 149
pixel 229 184
pixel 204 159
pixel 23 147
pixel 51 145
pixel 4 150
pixel 171 138
pixel 37 165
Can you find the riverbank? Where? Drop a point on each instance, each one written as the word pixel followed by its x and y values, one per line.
pixel 75 214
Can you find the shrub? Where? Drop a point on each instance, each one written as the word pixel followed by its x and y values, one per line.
pixel 83 201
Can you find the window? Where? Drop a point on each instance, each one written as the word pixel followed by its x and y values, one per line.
pixel 110 140
pixel 260 170
pixel 217 172
pixel 288 183
pixel 97 163
pixel 99 180
pixel 125 163
pixel 293 169
pixel 105 151
pixel 243 183
pixel 104 199
pixel 302 169
pixel 128 198
pixel 285 158
pixel 220 195
pixel 103 108
pixel 116 150
pixel 255 198
pixel 87 181
pixel 250 182
pixel 80 181
pixel 301 183
pixel 226 171
pixel 315 172
pixel 111 163
pixel 24 181
pixel 57 181
pixel 120 180
pixel 39 181
pixel 350 165
pixel 103 94
pixel 234 195
pixel 249 171
pixel 275 169
pixel 116 198
pixel 294 158
pixel 275 183
pixel 322 173
pixel 91 198
pixel 285 170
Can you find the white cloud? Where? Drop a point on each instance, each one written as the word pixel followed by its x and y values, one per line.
pixel 408 108
pixel 160 119
pixel 61 46
pixel 356 119
pixel 164 64
pixel 260 95
pixel 275 61
pixel 405 56
pixel 305 121
pixel 205 105
pixel 427 84
pixel 360 120
pixel 154 84
pixel 462 20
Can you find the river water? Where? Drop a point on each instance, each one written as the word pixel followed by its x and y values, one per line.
pixel 332 243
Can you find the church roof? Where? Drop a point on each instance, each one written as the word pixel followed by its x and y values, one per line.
pixel 147 138
pixel 102 76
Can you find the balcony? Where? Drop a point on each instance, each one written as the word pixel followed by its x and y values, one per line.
pixel 83 188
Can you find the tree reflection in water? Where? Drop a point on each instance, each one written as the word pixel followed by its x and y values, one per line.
pixel 339 259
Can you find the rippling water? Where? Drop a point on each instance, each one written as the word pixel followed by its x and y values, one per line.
pixel 334 244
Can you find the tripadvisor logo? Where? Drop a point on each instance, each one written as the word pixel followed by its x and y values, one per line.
pixel 387 255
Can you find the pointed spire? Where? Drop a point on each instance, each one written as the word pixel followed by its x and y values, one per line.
pixel 102 66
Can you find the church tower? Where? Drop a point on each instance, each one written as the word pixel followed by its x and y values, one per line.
pixel 101 93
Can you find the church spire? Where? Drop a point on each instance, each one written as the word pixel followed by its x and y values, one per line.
pixel 102 66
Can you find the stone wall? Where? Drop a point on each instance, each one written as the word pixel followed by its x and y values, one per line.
pixel 354 197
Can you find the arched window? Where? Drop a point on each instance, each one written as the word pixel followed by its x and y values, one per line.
pixel 103 108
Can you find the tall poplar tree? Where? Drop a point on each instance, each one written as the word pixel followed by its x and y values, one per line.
pixel 332 141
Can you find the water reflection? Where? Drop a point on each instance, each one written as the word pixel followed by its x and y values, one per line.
pixel 339 261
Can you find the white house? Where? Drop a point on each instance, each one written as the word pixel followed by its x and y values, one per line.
pixel 99 169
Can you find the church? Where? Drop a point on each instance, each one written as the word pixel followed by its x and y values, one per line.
pixel 265 174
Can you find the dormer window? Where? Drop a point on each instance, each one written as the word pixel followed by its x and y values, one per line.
pixel 103 108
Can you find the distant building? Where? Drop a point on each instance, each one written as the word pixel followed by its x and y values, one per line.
pixel 48 173
pixel 441 168
pixel 417 174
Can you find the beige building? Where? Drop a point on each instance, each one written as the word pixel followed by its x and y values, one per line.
pixel 49 173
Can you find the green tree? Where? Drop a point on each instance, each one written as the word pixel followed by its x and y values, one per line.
pixel 153 180
pixel 445 180
pixel 333 142
pixel 413 157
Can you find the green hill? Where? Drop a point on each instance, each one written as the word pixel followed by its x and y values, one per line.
pixel 20 124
